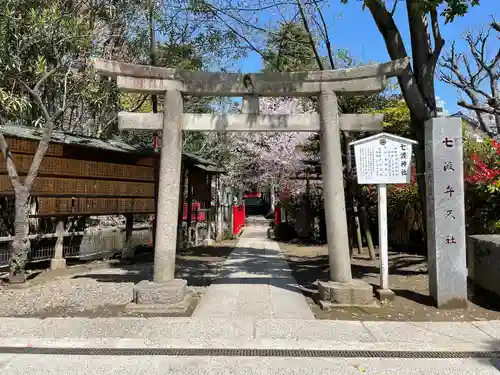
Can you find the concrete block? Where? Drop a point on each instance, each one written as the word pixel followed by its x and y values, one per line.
pixel 483 261
pixel 385 295
pixel 208 242
pixel 173 308
pixel 57 264
pixel 169 293
pixel 355 292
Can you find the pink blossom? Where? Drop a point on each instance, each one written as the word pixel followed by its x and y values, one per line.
pixel 267 159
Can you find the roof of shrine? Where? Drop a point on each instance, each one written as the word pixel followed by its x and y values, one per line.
pixel 115 145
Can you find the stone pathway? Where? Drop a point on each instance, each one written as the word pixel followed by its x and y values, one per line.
pixel 241 333
pixel 255 281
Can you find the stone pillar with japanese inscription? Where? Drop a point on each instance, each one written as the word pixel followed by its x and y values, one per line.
pixel 445 212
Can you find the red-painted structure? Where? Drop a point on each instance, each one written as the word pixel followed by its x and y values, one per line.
pixel 195 207
pixel 238 218
pixel 252 195
pixel 277 215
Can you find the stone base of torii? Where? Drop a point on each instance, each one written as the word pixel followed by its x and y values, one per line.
pixel 167 294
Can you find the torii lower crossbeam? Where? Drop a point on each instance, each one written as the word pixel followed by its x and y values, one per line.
pixel 248 122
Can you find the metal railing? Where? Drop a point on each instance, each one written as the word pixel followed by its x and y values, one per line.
pixel 82 245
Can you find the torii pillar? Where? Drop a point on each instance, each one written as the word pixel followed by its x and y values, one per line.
pixel 167 293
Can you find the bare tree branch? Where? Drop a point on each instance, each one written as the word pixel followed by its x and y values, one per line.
pixel 66 87
pixel 43 145
pixel 469 79
pixel 396 49
pixel 479 108
pixel 139 104
pixel 11 167
pixel 35 92
pixel 438 39
pixel 311 38
pixel 327 37
pixel 245 39
pixel 495 25
pixel 394 6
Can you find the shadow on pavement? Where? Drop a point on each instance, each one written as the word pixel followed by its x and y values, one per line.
pixel 198 265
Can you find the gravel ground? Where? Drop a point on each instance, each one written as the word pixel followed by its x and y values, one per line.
pixel 102 289
pixel 103 292
pixel 408 278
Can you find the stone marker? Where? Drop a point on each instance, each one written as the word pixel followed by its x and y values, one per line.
pixel 445 212
pixel 58 261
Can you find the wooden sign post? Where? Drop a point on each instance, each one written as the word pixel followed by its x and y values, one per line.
pixel 380 160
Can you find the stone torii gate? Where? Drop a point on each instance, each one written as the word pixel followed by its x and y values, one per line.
pixel 165 292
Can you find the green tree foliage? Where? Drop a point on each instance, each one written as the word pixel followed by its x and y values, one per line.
pixel 288 49
pixel 396 117
pixel 36 37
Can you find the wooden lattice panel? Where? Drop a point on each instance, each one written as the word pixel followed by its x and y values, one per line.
pixel 25 146
pixel 51 206
pixel 63 204
pixel 93 206
pixel 150 162
pixel 54 186
pixel 125 205
pixel 81 168
pixel 47 206
pixel 144 205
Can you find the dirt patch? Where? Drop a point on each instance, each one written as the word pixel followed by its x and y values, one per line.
pixel 104 288
pixel 408 279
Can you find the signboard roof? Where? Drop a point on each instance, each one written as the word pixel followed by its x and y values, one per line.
pixel 392 137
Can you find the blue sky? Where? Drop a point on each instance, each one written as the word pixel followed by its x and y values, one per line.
pixel 353 29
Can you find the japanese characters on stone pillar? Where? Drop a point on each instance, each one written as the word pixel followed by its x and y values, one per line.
pixel 445 212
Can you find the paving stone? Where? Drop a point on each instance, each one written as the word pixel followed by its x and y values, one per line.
pixel 151 365
pixel 425 331
pixel 255 281
pixel 293 329
pixel 491 328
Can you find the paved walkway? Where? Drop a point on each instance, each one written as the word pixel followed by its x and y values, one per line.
pixel 204 365
pixel 255 281
pixel 237 333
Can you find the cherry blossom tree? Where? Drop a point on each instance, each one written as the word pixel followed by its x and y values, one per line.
pixel 265 159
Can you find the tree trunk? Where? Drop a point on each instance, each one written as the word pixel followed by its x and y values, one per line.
pixel 20 244
pixel 348 192
pixel 359 239
pixel 417 126
pixel 366 226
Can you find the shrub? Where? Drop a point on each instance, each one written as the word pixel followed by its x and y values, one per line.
pixel 404 214
pixel 482 186
pixel 284 232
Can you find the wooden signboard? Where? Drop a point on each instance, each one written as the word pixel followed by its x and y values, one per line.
pixel 54 186
pixel 81 168
pixel 93 206
pixel 25 146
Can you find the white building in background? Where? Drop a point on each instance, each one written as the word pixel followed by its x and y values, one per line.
pixel 441 111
